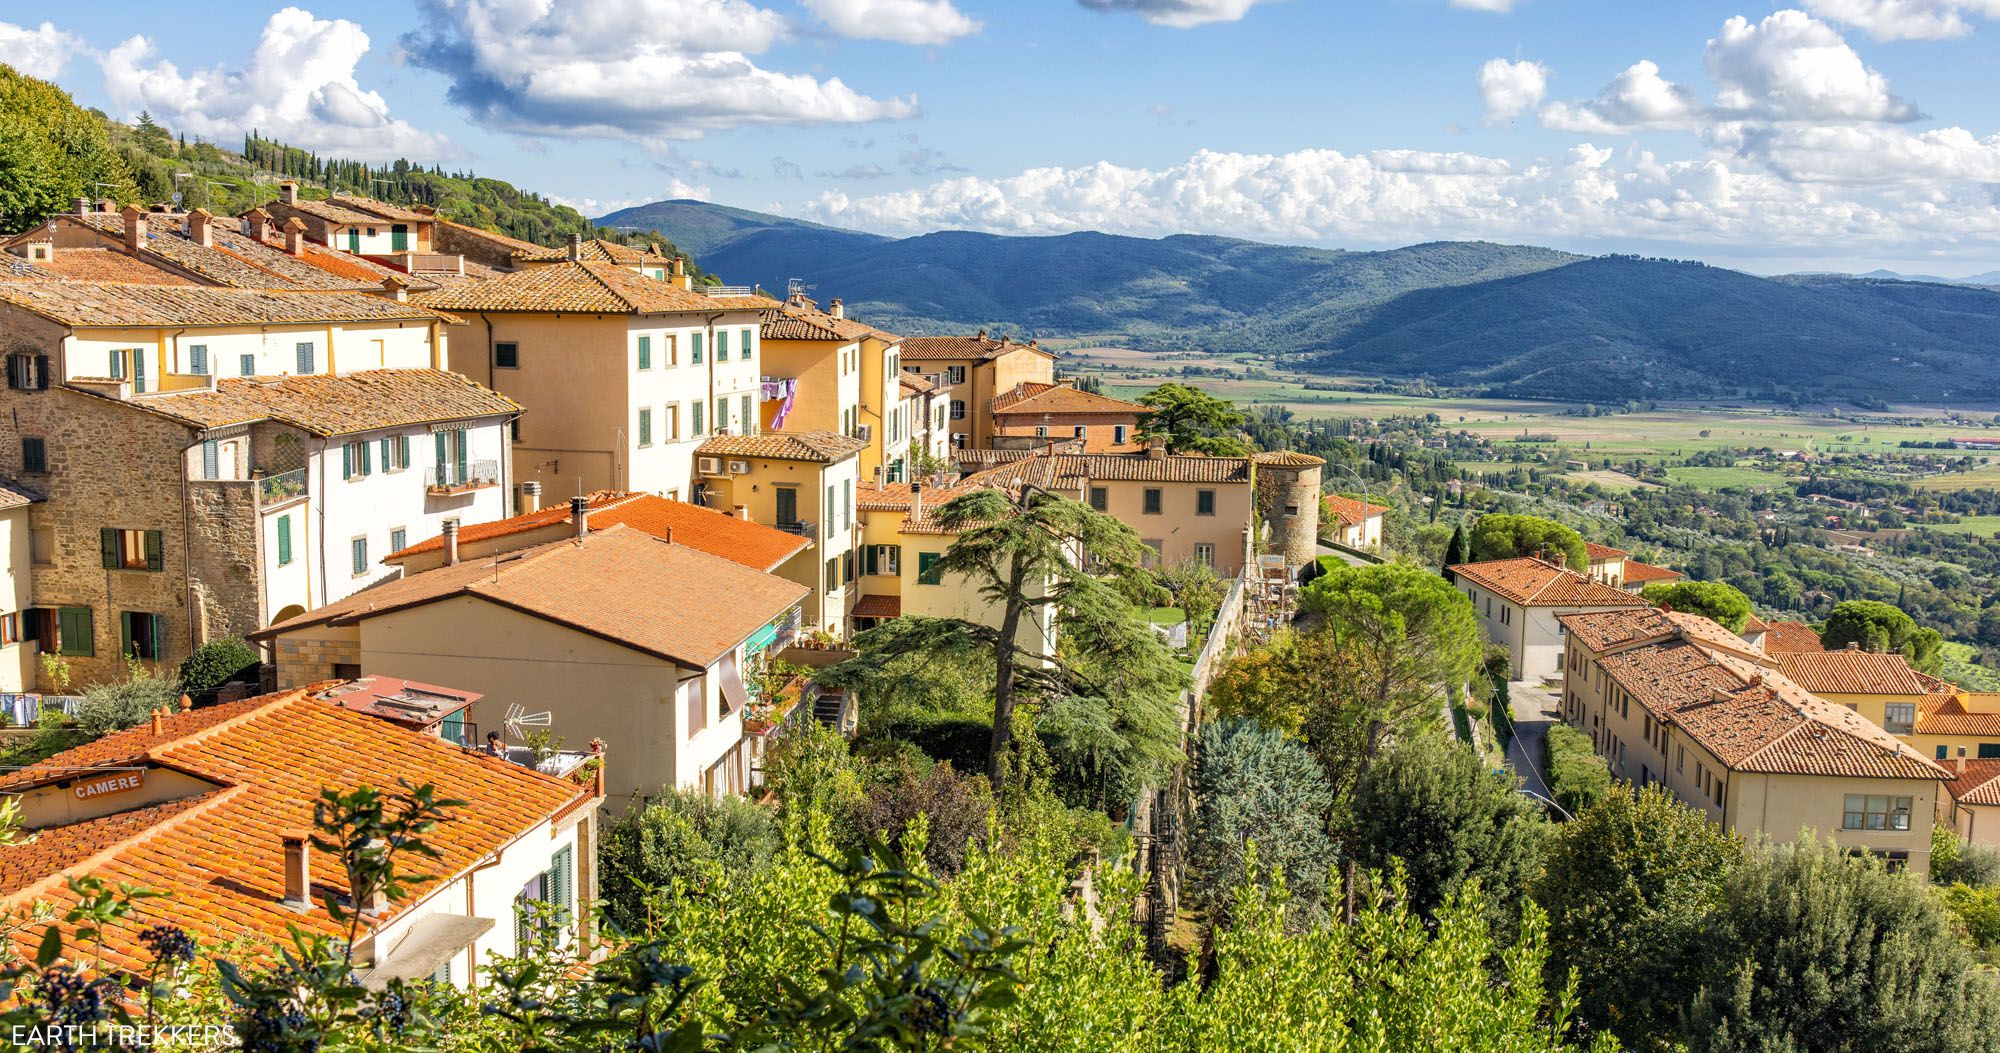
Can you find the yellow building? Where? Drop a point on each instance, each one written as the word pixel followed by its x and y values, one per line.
pixel 1673 699
pixel 802 483
pixel 976 370
pixel 1616 567
pixel 1970 804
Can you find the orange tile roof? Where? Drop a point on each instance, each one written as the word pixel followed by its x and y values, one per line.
pixel 739 540
pixel 105 264
pixel 619 584
pixel 1979 783
pixel 337 404
pixel 800 319
pixel 980 348
pixel 233 258
pixel 1032 399
pixel 1600 553
pixel 1531 582
pixel 1601 631
pixel 1944 713
pixel 584 288
pixel 1119 467
pixel 1637 573
pixel 1348 511
pixel 1756 625
pixel 112 304
pixel 593 250
pixel 1852 673
pixel 915 384
pixel 1791 637
pixel 824 447
pixel 218 856
pixel 14 495
pixel 879 607
pixel 1287 459
pixel 1707 632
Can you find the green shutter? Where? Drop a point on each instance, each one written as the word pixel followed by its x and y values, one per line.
pixel 403 450
pixel 159 622
pixel 78 634
pixel 388 460
pixel 107 545
pixel 464 447
pixel 156 551
pixel 125 634
pixel 284 540
pixel 847 503
pixel 347 460
pixel 927 572
pixel 869 563
pixel 439 436
pixel 699 406
pixel 138 370
pixel 645 352
pixel 697 349
pixel 367 458
pixel 561 878
pixel 722 346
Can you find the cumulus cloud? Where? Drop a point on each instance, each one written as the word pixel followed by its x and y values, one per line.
pixel 1636 99
pixel 1500 6
pixel 636 69
pixel 1180 14
pixel 39 52
pixel 1793 67
pixel 297 85
pixel 1865 154
pixel 903 21
pixel 1510 89
pixel 1906 19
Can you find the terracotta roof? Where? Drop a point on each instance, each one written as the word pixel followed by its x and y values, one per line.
pixel 339 404
pixel 381 209
pixel 879 607
pixel 218 856
pixel 1535 583
pixel 915 384
pixel 979 348
pixel 1756 625
pixel 1637 573
pixel 1707 632
pixel 1944 713
pixel 1030 398
pixel 1286 458
pixel 110 304
pixel 514 246
pixel 14 495
pixel 1979 783
pixel 799 319
pixel 620 584
pixel 1755 720
pixel 1120 467
pixel 1008 476
pixel 1852 673
pixel 1790 638
pixel 1350 512
pixel 584 288
pixel 824 447
pixel 1597 553
pixel 351 210
pixel 738 540
pixel 233 258
pixel 593 250
pixel 1602 631
pixel 104 264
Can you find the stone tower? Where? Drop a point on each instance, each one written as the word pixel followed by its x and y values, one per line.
pixel 1288 500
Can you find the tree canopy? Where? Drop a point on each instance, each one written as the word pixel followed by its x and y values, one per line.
pixel 1502 535
pixel 52 151
pixel 1192 421
pixel 1721 601
pixel 1883 628
pixel 1252 784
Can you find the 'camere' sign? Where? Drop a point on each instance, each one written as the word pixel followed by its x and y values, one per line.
pixel 123 782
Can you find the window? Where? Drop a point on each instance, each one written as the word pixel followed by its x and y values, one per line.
pixel 507 355
pixel 645 427
pixel 1152 506
pixel 1204 502
pixel 211 459
pixel 1041 431
pixel 696 415
pixel 1204 553
pixel 1989 751
pixel 957 409
pixel 645 352
pixel 34 454
pixel 142 635
pixel 1899 718
pixel 1100 498
pixel 670 422
pixel 396 452
pixel 670 350
pixel 359 549
pixel 305 352
pixel 695 349
pixel 561 870
pixel 746 343
pixel 722 346
pixel 1083 431
pixel 246 365
pixel 722 415
pixel 1118 433
pixel 1506 615
pixel 399 539
pixel 749 412
pixel 198 359
pixel 10 629
pixel 883 559
pixel 832 573
pixel 847 567
pixel 535 891
pixel 131 549
pixel 1875 811
pixel 847 504
pixel 357 459
pixel 118 365
pixel 1291 510
pixel 831 494
pixel 28 372
pixel 954 374
pixel 76 632
pixel 927 568
pixel 284 540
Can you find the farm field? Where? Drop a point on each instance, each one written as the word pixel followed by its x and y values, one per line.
pixel 1981 526
pixel 1707 478
pixel 1610 480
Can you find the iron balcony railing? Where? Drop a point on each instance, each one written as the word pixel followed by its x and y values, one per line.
pixel 284 486
pixel 454 479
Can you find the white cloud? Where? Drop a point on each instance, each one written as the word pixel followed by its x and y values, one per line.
pixel 1180 14
pixel 634 69
pixel 1635 99
pixel 1793 67
pixel 297 86
pixel 1510 89
pixel 39 52
pixel 1865 154
pixel 904 21
pixel 1500 6
pixel 1581 197
pixel 1906 19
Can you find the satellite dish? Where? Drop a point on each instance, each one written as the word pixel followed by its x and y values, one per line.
pixel 518 717
pixel 177 197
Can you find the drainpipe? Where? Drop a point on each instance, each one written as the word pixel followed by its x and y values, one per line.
pixel 187 546
pixel 709 327
pixel 319 503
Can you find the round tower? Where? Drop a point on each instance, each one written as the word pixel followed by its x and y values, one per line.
pixel 1288 485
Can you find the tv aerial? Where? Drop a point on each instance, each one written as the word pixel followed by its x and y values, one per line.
pixel 518 717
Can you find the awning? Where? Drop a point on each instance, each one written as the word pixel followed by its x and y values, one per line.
pixel 733 692
pixel 879 607
pixel 432 941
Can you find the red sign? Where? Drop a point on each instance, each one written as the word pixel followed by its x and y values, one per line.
pixel 122 782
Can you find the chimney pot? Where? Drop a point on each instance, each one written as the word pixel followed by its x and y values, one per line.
pixel 576 246
pixel 295 237
pixel 288 191
pixel 1961 760
pixel 741 512
pixel 199 228
pixel 1852 646
pixel 298 870
pixel 450 543
pixel 377 902
pixel 1156 447
pixel 531 497
pixel 917 501
pixel 836 308
pixel 579 514
pixel 395 289
pixel 105 204
pixel 159 722
pixel 257 224
pixel 81 205
pixel 135 228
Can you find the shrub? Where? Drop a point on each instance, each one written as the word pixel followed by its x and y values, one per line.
pixel 127 703
pixel 1578 777
pixel 959 741
pixel 1253 785
pixel 1962 862
pixel 683 840
pixel 956 810
pixel 215 663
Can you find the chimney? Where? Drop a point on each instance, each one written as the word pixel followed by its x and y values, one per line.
pixel 917 501
pixel 576 246
pixel 451 542
pixel 377 902
pixel 579 514
pixel 82 205
pixel 295 237
pixel 1156 447
pixel 681 278
pixel 198 228
pixel 1961 760
pixel 298 871
pixel 597 777
pixel 531 497
pixel 187 703
pixel 836 309
pixel 981 336
pixel 257 224
pixel 741 512
pixel 1718 694
pixel 288 191
pixel 1852 646
pixel 653 248
pixel 135 228
pixel 105 204
pixel 396 289
pixel 159 722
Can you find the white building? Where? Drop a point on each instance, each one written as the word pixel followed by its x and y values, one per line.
pixel 1519 600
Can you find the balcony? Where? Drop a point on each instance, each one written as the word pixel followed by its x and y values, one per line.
pixel 281 488
pixel 809 531
pixel 446 480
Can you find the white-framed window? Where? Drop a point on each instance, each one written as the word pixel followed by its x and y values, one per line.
pixel 957 409
pixel 1875 811
pixel 1899 718
pixel 1204 553
pixel 357 460
pixel 954 374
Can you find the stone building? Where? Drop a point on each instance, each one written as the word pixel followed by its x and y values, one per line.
pixel 1288 501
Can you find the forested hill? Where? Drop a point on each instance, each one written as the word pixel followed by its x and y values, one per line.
pixel 1510 319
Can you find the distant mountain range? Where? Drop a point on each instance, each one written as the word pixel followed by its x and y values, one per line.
pixel 1507 319
pixel 1984 278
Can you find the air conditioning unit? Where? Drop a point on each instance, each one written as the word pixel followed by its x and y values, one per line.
pixel 739 467
pixel 709 465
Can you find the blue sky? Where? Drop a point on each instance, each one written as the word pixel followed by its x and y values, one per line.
pixel 1841 134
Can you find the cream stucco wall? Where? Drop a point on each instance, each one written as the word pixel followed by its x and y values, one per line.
pixel 18 657
pixel 1177 529
pixel 273 350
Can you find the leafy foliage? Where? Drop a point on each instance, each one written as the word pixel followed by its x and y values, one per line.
pixel 1253 785
pixel 216 663
pixel 1578 777
pixel 1883 628
pixel 682 839
pixel 120 704
pixel 51 152
pixel 1191 420
pixel 1501 535
pixel 1720 601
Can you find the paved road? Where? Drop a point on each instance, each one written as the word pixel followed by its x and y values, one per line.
pixel 1535 708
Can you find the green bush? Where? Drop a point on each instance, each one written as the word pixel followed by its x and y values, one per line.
pixel 1577 776
pixel 215 663
pixel 959 741
pixel 127 703
pixel 682 841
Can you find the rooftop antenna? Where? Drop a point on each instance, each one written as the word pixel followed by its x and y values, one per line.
pixel 796 287
pixel 518 717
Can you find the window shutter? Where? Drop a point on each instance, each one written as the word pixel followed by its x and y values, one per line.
pixel 156 557
pixel 284 540
pixel 347 460
pixel 870 564
pixel 138 369
pixel 305 358
pixel 124 634
pixel 211 459
pixel 895 559
pixel 388 455
pixel 927 573
pixel 459 438
pixel 403 450
pixel 107 544
pixel 198 359
pixel 696 347
pixel 645 427
pixel 645 352
pixel 367 458
pixel 41 372
pixel 77 632
pixel 441 460
pixel 560 878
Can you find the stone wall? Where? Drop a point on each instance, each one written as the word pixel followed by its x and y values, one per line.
pixel 305 660
pixel 226 558
pixel 1295 537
